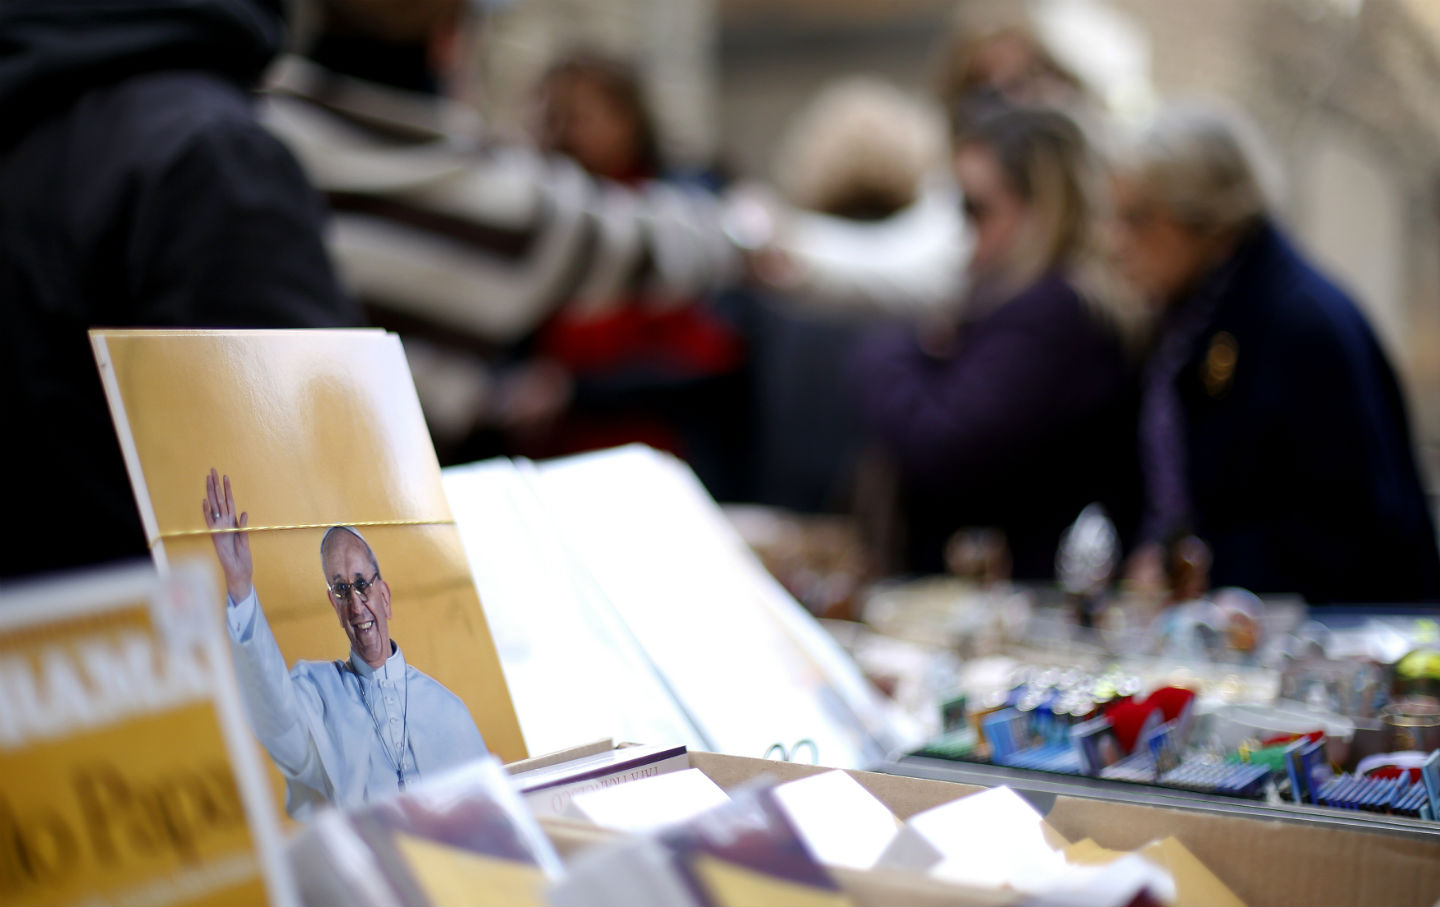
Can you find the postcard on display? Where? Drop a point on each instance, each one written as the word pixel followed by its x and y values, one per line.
pixel 129 775
pixel 742 852
pixel 298 463
pixel 462 836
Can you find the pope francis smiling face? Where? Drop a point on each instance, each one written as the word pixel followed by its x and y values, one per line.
pixel 360 597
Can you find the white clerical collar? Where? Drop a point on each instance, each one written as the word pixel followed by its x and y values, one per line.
pixel 392 669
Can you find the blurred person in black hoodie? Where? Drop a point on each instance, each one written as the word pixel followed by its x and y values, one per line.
pixel 136 190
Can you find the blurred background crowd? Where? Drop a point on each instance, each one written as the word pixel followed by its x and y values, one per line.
pixel 956 270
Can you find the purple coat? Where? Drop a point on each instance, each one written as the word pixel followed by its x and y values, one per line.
pixel 1029 419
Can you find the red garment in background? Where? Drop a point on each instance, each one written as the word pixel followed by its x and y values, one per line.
pixel 687 341
pixel 675 344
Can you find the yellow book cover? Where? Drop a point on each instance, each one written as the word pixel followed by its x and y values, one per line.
pixel 129 776
pixel 299 462
pixel 731 885
pixel 1195 884
pixel 457 875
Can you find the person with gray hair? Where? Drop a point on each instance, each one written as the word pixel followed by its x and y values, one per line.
pixel 1272 425
pixel 339 731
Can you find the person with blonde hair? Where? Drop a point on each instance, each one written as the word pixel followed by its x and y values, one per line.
pixel 1272 425
pixel 1022 414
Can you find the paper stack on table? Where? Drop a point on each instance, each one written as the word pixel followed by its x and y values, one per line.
pixel 623 603
pixel 842 823
pixel 649 803
pixel 996 839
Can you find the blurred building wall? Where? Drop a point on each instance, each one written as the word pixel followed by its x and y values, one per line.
pixel 775 57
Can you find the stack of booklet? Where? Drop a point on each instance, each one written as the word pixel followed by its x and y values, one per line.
pixel 744 851
pixel 805 830
pixel 549 788
pixel 675 837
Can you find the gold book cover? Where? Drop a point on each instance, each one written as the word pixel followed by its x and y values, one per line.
pixel 300 464
pixel 129 774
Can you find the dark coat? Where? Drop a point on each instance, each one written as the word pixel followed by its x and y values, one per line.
pixel 1029 420
pixel 1301 465
pixel 136 189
